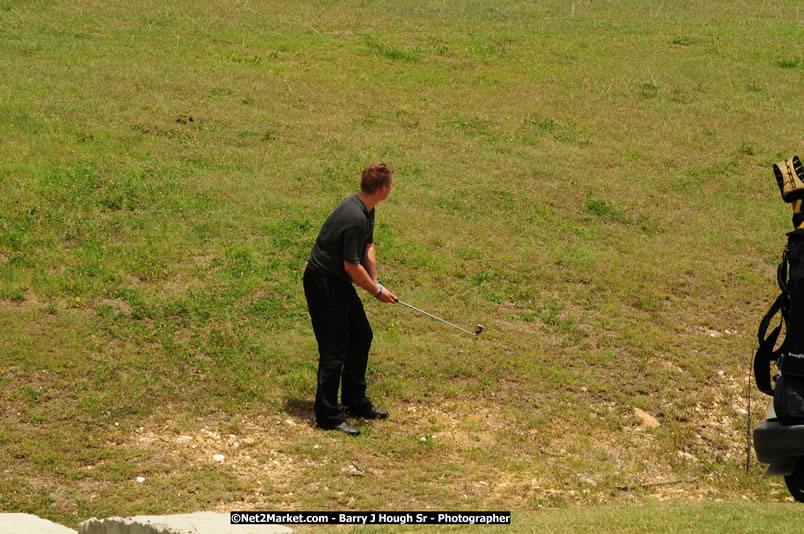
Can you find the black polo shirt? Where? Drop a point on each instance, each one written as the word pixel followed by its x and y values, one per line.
pixel 346 233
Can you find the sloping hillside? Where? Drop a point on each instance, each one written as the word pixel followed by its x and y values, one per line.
pixel 589 180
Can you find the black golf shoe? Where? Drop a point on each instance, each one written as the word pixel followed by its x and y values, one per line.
pixel 367 411
pixel 347 428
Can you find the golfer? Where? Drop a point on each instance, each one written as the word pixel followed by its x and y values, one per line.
pixel 344 254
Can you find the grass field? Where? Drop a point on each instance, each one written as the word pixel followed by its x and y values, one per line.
pixel 590 180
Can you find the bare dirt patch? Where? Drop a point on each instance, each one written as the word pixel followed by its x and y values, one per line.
pixel 466 452
pixel 118 305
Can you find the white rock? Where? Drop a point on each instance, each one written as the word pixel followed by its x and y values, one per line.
pixel 197 523
pixel 30 524
pixel 647 419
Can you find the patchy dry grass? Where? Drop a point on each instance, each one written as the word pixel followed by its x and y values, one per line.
pixel 594 189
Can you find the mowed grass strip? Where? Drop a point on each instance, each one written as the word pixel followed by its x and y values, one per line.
pixel 713 517
pixel 594 189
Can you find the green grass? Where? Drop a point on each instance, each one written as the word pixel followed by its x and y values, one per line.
pixel 590 181
pixel 655 517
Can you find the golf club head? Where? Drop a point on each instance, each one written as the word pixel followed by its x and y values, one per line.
pixel 479 329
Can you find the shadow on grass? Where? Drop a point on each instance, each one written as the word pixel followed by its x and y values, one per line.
pixel 301 409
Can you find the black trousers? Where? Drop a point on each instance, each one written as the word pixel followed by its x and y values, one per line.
pixel 344 339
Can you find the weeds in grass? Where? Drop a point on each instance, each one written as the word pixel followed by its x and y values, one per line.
pixel 564 176
pixel 789 63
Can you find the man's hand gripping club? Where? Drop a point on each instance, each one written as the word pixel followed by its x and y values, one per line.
pixel 361 277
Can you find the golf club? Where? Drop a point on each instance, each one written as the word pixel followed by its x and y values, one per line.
pixel 477 331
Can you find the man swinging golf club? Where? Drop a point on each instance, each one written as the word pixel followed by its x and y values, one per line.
pixel 344 254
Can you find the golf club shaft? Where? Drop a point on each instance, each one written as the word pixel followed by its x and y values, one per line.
pixel 434 317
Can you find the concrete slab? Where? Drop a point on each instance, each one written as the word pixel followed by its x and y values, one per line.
pixel 30 524
pixel 195 523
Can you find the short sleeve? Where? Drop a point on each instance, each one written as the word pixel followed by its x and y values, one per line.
pixel 353 244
